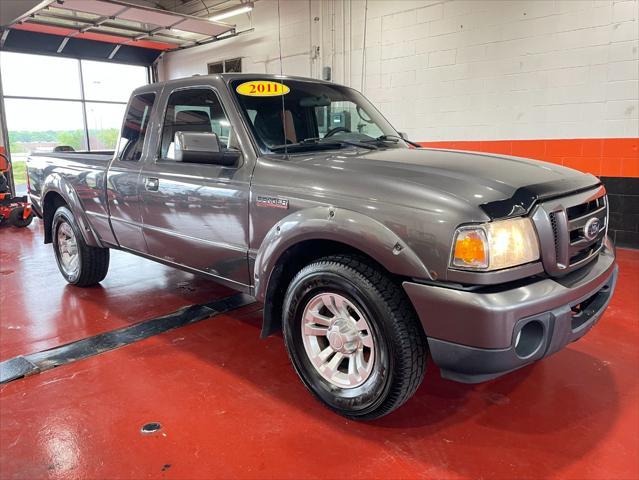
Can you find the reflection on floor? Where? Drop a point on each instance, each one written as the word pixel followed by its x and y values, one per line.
pixel 230 405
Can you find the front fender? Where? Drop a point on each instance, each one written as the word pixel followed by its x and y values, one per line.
pixel 345 226
pixel 56 183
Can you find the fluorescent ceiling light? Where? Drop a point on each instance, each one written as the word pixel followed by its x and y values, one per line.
pixel 231 12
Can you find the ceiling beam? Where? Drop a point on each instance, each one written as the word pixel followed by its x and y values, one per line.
pixel 219 38
pixel 199 7
pixel 102 20
pixel 89 24
pixel 41 21
pixel 74 26
pixel 130 38
pixel 185 16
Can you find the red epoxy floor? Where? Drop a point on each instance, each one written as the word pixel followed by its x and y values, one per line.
pixel 231 405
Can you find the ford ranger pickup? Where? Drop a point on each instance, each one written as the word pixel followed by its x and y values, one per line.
pixel 369 253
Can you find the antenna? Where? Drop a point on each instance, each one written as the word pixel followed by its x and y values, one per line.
pixel 279 41
pixel 364 44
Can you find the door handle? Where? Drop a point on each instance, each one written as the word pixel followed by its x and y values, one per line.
pixel 152 184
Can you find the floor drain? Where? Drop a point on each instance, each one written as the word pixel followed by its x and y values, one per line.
pixel 150 427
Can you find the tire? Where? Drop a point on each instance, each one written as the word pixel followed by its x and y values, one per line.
pixel 395 358
pixel 16 219
pixel 88 265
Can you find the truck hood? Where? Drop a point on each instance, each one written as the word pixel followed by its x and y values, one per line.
pixel 501 186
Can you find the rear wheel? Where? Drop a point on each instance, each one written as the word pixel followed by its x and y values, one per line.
pixel 79 263
pixel 353 337
pixel 17 217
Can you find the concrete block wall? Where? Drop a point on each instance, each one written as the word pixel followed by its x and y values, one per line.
pixel 259 48
pixel 496 70
pixel 503 76
pixel 459 69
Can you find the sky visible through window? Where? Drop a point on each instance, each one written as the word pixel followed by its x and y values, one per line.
pixel 44 101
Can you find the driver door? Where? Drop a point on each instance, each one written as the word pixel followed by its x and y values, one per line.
pixel 196 215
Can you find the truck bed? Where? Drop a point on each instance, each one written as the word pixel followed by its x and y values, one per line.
pixel 82 156
pixel 79 169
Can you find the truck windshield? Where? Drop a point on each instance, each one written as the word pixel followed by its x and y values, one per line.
pixel 299 115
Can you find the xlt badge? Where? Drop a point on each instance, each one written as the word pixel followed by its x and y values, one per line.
pixel 272 202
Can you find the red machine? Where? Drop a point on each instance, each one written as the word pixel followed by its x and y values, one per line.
pixel 15 210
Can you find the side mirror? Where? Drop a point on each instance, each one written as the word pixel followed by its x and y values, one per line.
pixel 202 147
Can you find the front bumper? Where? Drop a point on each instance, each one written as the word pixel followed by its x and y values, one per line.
pixel 475 336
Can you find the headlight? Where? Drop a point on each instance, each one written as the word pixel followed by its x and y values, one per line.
pixel 495 245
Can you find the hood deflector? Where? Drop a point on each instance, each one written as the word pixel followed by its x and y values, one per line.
pixel 525 198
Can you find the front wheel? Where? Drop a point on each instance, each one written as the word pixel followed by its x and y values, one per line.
pixel 353 337
pixel 79 263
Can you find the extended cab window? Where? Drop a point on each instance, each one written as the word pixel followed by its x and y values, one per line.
pixel 134 128
pixel 194 110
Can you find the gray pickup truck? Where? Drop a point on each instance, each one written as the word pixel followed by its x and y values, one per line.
pixel 368 253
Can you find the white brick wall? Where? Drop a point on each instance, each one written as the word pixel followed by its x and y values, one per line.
pixel 459 69
pixel 258 49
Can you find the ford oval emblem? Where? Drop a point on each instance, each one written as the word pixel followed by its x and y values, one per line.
pixel 591 229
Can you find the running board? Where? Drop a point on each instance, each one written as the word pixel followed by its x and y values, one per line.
pixel 25 365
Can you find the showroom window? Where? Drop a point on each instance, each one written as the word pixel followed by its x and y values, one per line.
pixel 54 101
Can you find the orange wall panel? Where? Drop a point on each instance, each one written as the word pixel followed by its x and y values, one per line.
pixel 607 157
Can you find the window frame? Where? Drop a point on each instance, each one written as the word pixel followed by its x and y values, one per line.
pixel 236 59
pixel 165 106
pixel 209 65
pixel 223 63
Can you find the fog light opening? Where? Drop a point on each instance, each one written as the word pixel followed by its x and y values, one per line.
pixel 529 339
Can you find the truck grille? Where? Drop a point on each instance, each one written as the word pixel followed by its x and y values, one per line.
pixel 572 230
pixel 555 232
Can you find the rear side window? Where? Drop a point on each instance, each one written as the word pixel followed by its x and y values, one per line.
pixel 194 110
pixel 135 127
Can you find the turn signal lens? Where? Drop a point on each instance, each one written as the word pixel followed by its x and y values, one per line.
pixel 495 245
pixel 470 248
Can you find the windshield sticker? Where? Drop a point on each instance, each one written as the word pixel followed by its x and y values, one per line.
pixel 262 88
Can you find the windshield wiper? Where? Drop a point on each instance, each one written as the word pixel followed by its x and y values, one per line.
pixel 394 139
pixel 321 144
